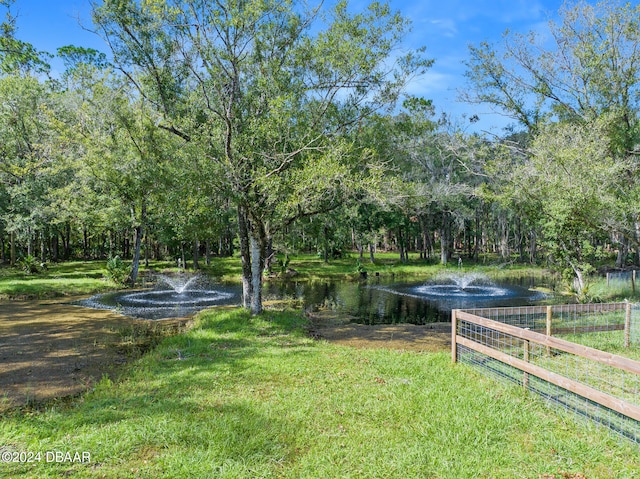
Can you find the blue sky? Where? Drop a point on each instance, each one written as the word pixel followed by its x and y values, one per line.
pixel 444 27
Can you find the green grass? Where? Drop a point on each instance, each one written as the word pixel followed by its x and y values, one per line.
pixel 242 397
pixel 609 341
pixel 312 267
pixel 60 279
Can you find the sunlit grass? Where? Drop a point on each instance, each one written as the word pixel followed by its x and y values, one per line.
pixel 59 279
pixel 243 397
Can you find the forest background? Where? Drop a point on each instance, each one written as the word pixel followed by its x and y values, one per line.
pixel 265 128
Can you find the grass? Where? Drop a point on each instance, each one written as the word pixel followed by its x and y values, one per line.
pixel 609 341
pixel 60 279
pixel 243 397
pixel 87 277
pixel 311 267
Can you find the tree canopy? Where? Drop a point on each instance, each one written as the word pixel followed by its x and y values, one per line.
pixel 262 127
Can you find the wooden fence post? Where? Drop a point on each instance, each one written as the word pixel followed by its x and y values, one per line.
pixel 525 378
pixel 608 279
pixel 454 333
pixel 549 326
pixel 627 324
pixel 633 281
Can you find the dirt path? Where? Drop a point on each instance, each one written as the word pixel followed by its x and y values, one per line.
pixel 50 349
pixel 337 328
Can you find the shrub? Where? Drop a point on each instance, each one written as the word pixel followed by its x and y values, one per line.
pixel 29 264
pixel 117 270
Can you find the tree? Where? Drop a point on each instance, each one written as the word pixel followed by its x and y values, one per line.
pixel 264 86
pixel 584 79
pixel 574 195
pixel 588 69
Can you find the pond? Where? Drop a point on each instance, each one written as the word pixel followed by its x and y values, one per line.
pixel 374 301
pixel 387 301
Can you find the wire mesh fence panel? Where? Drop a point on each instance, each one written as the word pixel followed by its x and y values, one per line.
pixel 617 324
pixel 591 383
pixel 621 278
pixel 554 396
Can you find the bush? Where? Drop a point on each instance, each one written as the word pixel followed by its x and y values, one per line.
pixel 29 264
pixel 117 270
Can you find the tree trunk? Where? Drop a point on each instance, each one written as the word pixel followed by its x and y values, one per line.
pixel 135 264
pixel 55 246
pixel 139 231
pixel 13 248
pixel 623 251
pixel 245 255
pixel 326 245
pixel 196 253
pixel 401 246
pixel 533 246
pixel 111 242
pixel 66 240
pixel 257 267
pixel 29 242
pixel 147 249
pixel 85 243
pixel 505 253
pixel 444 239
pixel 43 251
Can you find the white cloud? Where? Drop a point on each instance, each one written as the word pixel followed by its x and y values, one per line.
pixel 430 83
pixel 446 27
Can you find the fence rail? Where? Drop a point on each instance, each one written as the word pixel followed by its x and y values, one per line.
pixel 562 319
pixel 594 383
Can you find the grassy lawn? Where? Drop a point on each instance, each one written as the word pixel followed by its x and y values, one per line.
pixel 311 266
pixel 60 279
pixel 242 397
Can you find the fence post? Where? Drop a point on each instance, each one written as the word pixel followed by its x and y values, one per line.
pixel 627 324
pixel 633 281
pixel 549 326
pixel 608 279
pixel 454 333
pixel 525 378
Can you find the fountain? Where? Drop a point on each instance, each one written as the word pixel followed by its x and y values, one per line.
pixel 454 291
pixel 468 286
pixel 173 297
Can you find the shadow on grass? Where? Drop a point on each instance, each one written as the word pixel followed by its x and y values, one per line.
pixel 198 391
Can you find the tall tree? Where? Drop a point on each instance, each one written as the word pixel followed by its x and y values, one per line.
pixel 264 85
pixel 584 76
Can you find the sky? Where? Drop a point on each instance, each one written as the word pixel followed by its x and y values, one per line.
pixel 445 27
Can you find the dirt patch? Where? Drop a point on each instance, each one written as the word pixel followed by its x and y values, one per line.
pixel 338 328
pixel 50 349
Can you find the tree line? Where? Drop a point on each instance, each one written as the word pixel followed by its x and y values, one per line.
pixel 257 127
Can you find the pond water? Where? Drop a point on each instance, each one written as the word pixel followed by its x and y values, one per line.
pixel 384 301
pixel 374 301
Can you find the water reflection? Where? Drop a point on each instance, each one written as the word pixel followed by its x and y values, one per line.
pixel 383 302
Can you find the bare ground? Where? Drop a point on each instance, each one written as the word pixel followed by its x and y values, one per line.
pixel 50 349
pixel 339 329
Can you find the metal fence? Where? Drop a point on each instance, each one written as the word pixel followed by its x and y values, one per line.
pixel 614 322
pixel 515 344
pixel 622 278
